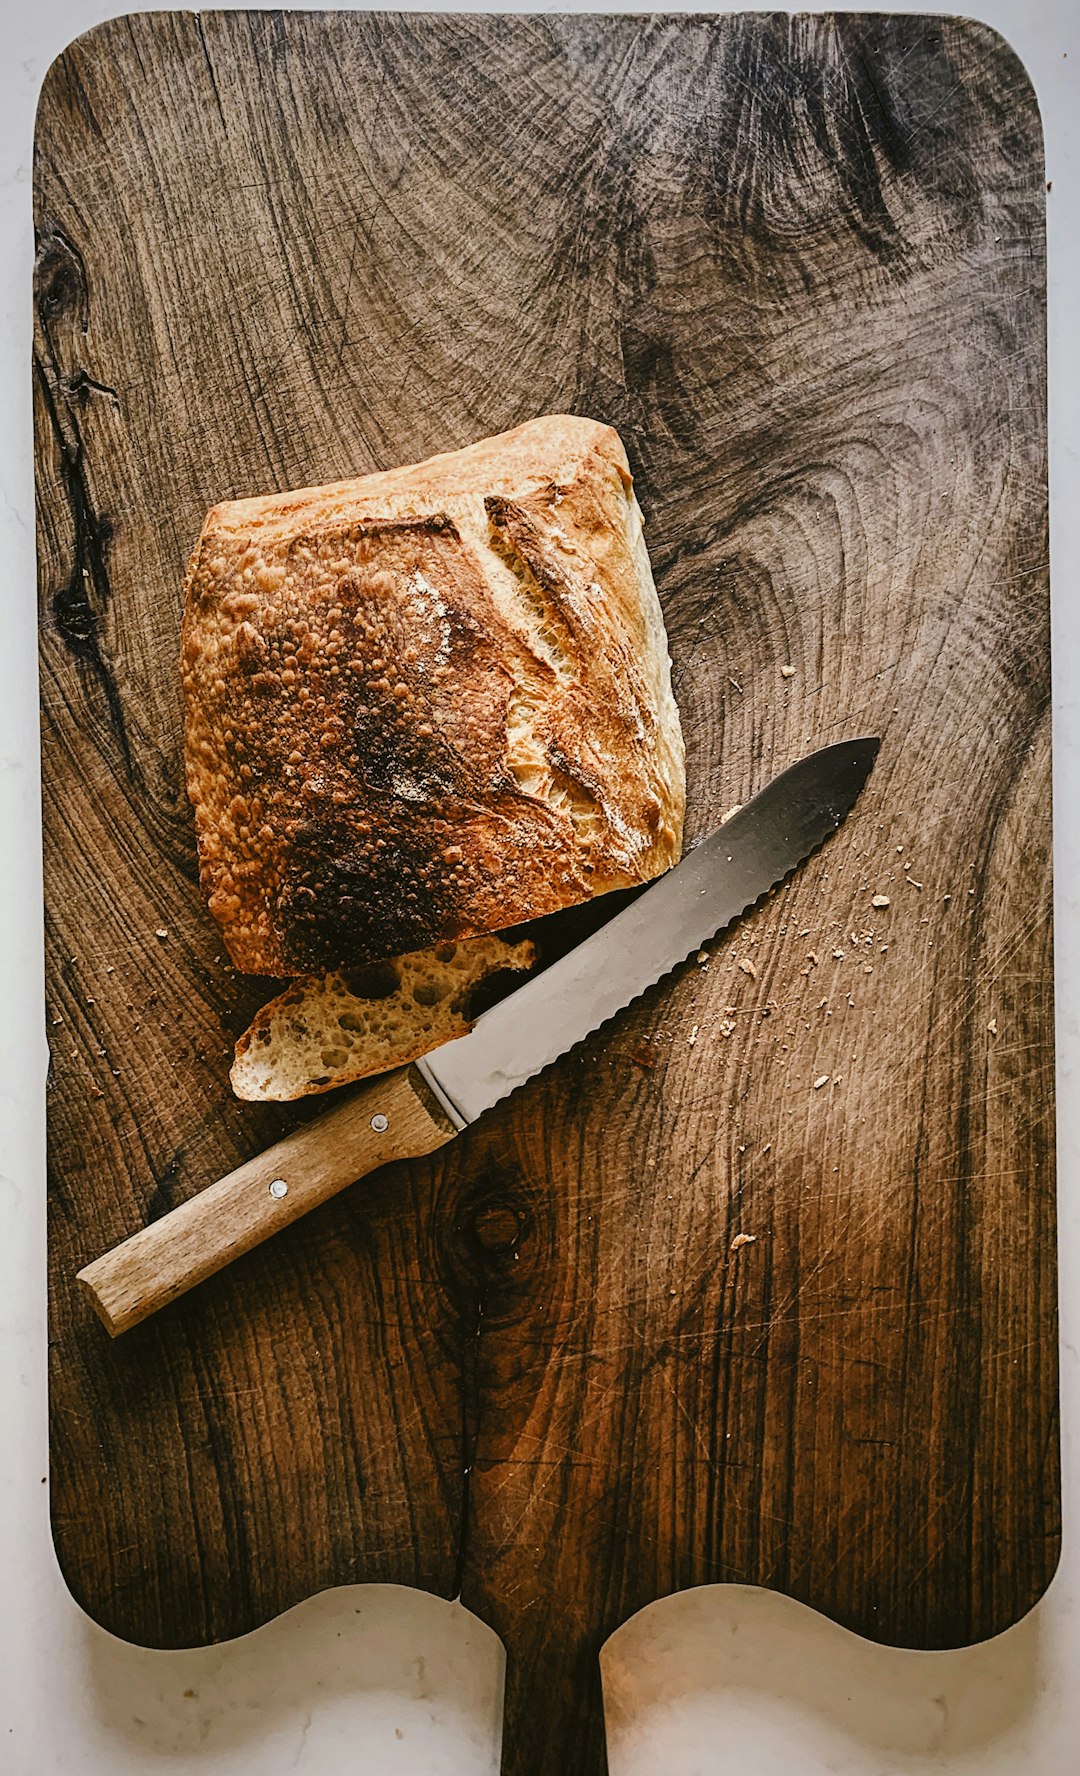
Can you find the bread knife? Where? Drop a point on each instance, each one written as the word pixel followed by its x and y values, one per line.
pixel 418 1108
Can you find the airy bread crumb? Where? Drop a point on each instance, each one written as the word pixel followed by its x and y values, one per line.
pixel 328 1030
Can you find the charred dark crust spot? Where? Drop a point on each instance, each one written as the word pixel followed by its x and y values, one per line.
pixel 346 902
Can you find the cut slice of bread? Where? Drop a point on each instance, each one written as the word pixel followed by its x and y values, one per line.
pixel 328 1029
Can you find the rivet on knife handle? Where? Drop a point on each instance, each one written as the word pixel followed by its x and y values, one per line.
pixel 395 1117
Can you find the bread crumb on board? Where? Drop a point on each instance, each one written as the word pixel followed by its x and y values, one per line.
pixel 161 933
pixel 992 1028
pixel 748 967
pixel 787 672
pixel 823 1079
pixel 880 901
pixel 732 811
pixel 741 1240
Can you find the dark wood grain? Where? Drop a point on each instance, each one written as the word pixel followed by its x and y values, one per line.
pixel 799 264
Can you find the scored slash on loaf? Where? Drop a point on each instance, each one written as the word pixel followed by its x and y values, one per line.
pixel 429 703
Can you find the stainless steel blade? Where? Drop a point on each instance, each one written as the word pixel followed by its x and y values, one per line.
pixel 716 882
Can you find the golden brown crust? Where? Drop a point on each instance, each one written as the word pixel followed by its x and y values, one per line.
pixel 428 704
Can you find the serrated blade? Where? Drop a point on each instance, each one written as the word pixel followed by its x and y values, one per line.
pixel 720 879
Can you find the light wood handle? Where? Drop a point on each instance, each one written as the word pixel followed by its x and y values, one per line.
pixel 228 1218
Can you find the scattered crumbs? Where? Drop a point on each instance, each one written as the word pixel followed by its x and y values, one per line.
pixel 838 1078
pixel 116 1072
pixel 161 933
pixel 735 685
pixel 946 897
pixel 96 1092
pixel 899 848
pixel 787 672
pixel 805 933
pixel 812 958
pixel 692 1038
pixel 643 1055
pixel 748 967
pixel 911 882
pixel 868 968
pixel 110 971
pixel 741 1240
pixel 58 1020
pixel 992 1026
pixel 823 1079
pixel 701 958
pixel 822 1003
pixel 838 955
pixel 766 1147
pixel 727 1026
pixel 742 1149
pixel 734 809
pixel 91 1002
pixel 880 900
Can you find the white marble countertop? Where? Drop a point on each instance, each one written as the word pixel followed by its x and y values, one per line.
pixel 379 1679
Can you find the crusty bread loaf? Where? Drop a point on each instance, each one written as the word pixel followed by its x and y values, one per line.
pixel 327 1030
pixel 430 703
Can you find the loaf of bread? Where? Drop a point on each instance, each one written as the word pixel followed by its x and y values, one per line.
pixel 428 704
pixel 327 1030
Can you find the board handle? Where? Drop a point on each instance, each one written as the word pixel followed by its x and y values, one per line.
pixel 395 1117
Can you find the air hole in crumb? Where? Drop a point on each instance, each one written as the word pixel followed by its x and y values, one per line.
pixel 428 993
pixel 378 980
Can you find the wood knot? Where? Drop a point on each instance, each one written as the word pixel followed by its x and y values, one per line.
pixel 499 1227
pixel 59 278
pixel 493 1233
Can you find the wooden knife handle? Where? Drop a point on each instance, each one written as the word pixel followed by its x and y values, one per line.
pixel 395 1117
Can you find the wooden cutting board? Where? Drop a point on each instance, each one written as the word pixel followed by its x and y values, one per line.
pixel 759 1283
